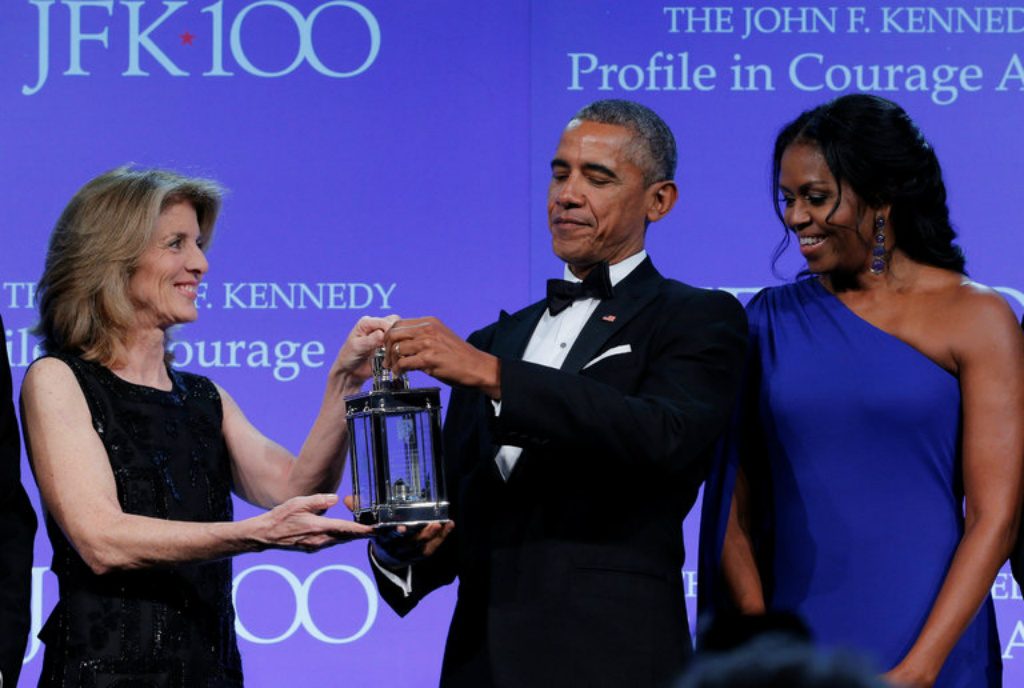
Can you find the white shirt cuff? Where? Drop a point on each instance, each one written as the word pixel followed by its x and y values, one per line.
pixel 404 585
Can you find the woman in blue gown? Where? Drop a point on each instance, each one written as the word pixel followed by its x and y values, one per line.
pixel 873 479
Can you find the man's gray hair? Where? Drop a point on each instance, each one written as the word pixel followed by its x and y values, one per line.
pixel 656 144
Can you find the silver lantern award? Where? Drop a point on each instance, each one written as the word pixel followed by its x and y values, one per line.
pixel 395 446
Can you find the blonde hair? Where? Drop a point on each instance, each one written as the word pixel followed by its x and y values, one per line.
pixel 84 302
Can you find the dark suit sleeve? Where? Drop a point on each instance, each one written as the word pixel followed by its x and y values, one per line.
pixel 670 419
pixel 17 530
pixel 427 576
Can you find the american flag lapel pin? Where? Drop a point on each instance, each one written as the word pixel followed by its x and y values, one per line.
pixel 608 318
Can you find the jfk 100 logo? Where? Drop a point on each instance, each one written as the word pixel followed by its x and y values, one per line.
pixel 275 606
pixel 339 39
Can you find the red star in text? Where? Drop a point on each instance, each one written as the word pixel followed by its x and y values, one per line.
pixel 187 38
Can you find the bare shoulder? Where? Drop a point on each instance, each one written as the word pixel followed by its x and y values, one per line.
pixel 52 398
pixel 48 376
pixel 222 392
pixel 982 321
pixel 980 306
pixel 228 403
pixel 234 416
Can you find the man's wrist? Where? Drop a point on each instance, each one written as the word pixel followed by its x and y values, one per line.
pixel 491 377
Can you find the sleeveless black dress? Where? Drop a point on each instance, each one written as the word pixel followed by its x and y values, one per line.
pixel 166 627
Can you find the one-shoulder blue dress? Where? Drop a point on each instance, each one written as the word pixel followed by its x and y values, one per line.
pixel 852 441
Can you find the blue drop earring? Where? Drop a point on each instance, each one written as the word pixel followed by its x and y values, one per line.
pixel 878 252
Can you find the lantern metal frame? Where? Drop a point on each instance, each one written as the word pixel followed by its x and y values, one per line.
pixel 391 398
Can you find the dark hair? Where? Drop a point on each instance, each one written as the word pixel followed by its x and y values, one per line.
pixel 872 144
pixel 658 154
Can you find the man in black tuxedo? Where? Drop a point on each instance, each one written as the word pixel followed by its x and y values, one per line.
pixel 17 530
pixel 578 433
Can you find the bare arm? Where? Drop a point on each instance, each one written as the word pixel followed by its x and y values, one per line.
pixel 78 489
pixel 267 474
pixel 990 354
pixel 739 565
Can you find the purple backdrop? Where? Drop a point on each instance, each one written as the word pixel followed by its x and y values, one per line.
pixel 392 157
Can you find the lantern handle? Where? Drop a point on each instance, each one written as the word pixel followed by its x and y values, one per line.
pixel 384 378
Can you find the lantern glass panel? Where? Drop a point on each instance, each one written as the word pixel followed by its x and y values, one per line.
pixel 363 464
pixel 411 459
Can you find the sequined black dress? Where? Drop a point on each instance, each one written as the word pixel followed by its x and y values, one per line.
pixel 172 626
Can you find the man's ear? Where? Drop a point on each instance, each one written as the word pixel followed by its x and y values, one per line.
pixel 662 196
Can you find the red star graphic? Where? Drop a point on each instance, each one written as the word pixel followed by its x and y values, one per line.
pixel 187 38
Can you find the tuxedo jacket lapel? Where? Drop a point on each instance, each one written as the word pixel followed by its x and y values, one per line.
pixel 632 294
pixel 513 331
pixel 511 336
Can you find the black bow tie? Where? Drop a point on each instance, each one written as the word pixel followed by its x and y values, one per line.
pixel 596 285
